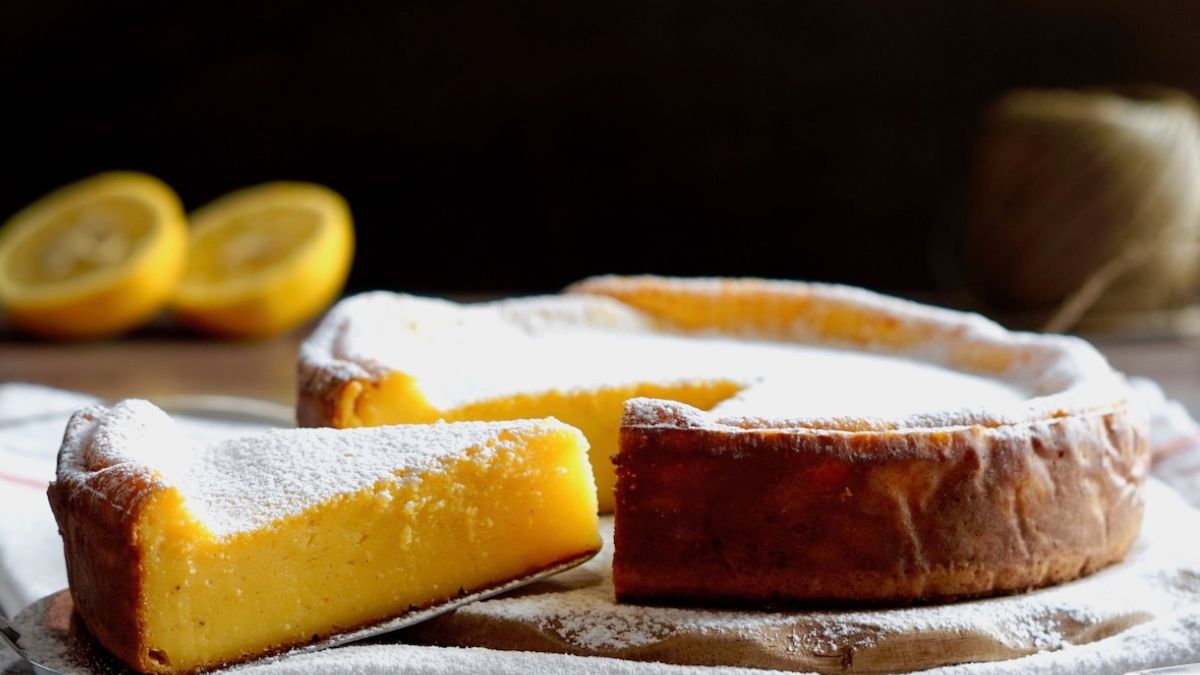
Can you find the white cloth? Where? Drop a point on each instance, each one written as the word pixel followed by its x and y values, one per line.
pixel 1174 441
pixel 32 419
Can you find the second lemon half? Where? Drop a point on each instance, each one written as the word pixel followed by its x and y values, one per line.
pixel 265 259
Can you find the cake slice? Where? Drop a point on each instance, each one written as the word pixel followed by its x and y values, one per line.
pixel 184 556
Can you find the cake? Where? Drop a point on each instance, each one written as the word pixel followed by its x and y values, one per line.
pixel 184 556
pixel 789 442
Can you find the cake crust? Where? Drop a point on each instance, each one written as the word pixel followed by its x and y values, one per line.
pixel 105 589
pixel 740 512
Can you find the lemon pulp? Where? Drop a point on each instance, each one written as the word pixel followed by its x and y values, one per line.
pixel 265 259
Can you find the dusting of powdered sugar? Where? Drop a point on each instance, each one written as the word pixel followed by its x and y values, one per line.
pixel 1160 577
pixel 460 355
pixel 465 354
pixel 414 660
pixel 243 483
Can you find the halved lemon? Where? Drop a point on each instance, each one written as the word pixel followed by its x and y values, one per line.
pixel 94 258
pixel 265 259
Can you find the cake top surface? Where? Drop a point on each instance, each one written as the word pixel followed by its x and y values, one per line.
pixel 466 354
pixel 462 354
pixel 244 483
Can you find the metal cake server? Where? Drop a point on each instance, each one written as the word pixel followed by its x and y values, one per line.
pixel 57 642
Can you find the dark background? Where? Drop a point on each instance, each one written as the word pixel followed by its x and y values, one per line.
pixel 521 145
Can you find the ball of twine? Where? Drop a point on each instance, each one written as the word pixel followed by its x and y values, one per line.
pixel 1086 200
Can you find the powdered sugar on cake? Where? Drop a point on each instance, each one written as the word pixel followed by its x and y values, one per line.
pixel 246 482
pixel 478 363
pixel 464 354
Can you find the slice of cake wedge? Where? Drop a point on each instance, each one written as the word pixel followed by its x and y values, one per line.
pixel 184 556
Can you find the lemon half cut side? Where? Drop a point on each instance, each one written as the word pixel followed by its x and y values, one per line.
pixel 93 259
pixel 265 259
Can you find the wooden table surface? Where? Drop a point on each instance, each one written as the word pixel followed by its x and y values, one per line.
pixel 157 363
pixel 161 362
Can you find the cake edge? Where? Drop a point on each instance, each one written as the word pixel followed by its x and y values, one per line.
pixel 1107 452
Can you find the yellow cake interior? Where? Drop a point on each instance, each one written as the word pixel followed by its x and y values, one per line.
pixel 516 498
pixel 597 413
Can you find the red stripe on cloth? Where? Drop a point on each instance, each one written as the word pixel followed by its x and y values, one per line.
pixel 1176 445
pixel 22 480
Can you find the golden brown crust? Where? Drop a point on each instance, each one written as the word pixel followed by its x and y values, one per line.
pixel 104 561
pixel 807 312
pixel 317 408
pixel 324 396
pixel 782 516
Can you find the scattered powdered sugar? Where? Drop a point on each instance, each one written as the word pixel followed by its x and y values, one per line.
pixel 246 482
pixel 1160 578
pixel 1140 613
pixel 406 659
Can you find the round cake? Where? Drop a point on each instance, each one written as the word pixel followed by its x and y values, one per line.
pixel 789 442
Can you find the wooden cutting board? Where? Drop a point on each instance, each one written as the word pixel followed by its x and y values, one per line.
pixel 576 613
